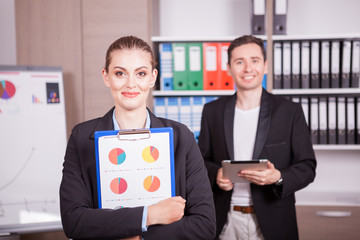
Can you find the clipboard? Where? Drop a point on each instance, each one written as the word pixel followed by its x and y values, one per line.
pixel 232 168
pixel 134 167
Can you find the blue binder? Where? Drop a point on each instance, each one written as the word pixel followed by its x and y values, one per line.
pixel 166 66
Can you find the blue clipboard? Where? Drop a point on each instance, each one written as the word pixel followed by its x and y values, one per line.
pixel 134 167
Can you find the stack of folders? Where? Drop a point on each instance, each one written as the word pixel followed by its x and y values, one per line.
pixel 195 66
pixel 186 110
pixel 326 63
pixel 332 119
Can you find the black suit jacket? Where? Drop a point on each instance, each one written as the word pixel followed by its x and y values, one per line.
pixel 282 137
pixel 78 191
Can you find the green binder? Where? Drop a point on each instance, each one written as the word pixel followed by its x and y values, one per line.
pixel 195 77
pixel 180 66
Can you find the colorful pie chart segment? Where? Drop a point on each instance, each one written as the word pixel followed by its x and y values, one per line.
pixel 150 154
pixel 118 185
pixel 151 183
pixel 7 89
pixel 117 156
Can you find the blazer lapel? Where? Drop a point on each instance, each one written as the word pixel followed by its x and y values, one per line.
pixel 155 121
pixel 263 124
pixel 105 123
pixel 228 125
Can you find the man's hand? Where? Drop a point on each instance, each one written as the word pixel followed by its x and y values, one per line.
pixel 166 211
pixel 262 177
pixel 223 183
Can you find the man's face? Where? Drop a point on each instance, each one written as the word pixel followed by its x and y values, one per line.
pixel 247 66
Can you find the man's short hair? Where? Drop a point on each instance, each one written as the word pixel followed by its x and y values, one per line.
pixel 246 39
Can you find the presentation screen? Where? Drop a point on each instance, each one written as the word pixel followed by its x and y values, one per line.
pixel 32 147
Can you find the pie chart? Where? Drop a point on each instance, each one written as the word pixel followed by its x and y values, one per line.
pixel 117 156
pixel 118 185
pixel 150 154
pixel 7 89
pixel 151 183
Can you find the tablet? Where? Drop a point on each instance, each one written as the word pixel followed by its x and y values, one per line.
pixel 232 168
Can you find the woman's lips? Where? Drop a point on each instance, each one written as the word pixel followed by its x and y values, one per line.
pixel 130 94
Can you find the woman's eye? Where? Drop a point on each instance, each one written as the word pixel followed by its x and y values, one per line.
pixel 142 74
pixel 120 74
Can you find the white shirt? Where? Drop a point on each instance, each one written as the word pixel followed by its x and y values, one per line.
pixel 245 126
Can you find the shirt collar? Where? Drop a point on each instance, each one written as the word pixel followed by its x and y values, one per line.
pixel 117 127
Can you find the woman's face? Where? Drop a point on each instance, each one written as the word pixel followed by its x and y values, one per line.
pixel 130 77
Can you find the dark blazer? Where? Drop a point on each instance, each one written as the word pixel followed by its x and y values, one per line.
pixel 78 190
pixel 282 137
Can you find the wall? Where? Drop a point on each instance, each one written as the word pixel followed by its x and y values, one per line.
pixel 309 17
pixel 7 29
pixel 49 33
pixel 75 34
pixel 216 18
pixel 232 17
pixel 101 26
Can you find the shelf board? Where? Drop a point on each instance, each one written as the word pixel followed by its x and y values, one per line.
pixel 197 39
pixel 316 91
pixel 264 37
pixel 336 147
pixel 322 36
pixel 274 91
pixel 157 93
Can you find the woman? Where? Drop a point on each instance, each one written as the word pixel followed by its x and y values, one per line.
pixel 130 73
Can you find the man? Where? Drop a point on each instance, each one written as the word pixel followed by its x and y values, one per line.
pixel 253 124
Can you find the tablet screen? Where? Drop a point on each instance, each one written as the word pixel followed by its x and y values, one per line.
pixel 232 168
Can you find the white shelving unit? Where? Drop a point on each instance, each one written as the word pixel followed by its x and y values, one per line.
pixel 328 156
pixel 336 180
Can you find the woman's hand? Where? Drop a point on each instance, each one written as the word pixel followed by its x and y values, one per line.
pixel 166 211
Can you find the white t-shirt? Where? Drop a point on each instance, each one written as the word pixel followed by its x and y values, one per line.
pixel 245 126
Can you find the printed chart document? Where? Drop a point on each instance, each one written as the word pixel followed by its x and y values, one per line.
pixel 134 167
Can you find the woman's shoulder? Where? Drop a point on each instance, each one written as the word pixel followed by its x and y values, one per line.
pixel 87 124
pixel 101 123
pixel 173 124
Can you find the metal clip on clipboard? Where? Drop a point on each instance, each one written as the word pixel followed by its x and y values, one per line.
pixel 134 134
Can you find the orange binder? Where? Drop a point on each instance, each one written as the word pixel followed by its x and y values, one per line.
pixel 210 66
pixel 226 82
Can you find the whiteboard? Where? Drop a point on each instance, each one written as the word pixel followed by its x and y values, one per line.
pixel 32 147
